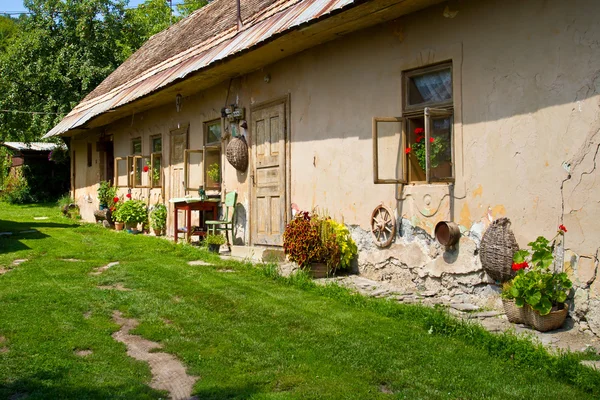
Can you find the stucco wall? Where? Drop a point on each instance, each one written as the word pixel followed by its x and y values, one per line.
pixel 526 91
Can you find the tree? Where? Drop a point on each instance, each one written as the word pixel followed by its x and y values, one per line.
pixel 8 30
pixel 189 6
pixel 65 48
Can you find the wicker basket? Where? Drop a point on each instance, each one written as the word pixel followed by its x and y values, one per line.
pixel 498 246
pixel 516 315
pixel 237 153
pixel 547 322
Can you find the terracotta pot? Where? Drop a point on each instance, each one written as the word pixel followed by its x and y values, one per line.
pixel 119 226
pixel 157 232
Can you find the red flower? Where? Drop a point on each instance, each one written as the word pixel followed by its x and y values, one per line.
pixel 407 150
pixel 431 140
pixel 419 131
pixel 115 199
pixel 518 266
pixel 146 168
pixel 128 195
pixel 419 138
pixel 562 228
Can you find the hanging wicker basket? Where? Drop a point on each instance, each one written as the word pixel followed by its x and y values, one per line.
pixel 498 246
pixel 237 153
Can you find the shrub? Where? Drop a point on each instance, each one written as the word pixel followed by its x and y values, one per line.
pixel 132 211
pixel 214 239
pixel 312 238
pixel 16 188
pixel 106 194
pixel 158 217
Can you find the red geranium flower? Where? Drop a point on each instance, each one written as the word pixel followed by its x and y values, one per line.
pixel 115 199
pixel 562 228
pixel 128 195
pixel 407 150
pixel 431 139
pixel 419 131
pixel 146 168
pixel 518 266
pixel 419 138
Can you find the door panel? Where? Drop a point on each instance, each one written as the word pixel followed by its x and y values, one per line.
pixel 178 145
pixel 269 200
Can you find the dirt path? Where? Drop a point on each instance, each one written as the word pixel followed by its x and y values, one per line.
pixel 168 373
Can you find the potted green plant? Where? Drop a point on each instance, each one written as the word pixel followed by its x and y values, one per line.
pixel 214 242
pixel 318 244
pixel 106 194
pixel 132 213
pixel 540 292
pixel 158 219
pixel 214 173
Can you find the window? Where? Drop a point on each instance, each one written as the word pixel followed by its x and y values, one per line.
pixel 212 154
pixel 89 154
pixel 156 162
pixel 203 166
pixel 418 147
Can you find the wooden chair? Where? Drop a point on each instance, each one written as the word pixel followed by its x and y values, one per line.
pixel 226 223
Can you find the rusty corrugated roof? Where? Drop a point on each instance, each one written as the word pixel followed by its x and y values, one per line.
pixel 280 17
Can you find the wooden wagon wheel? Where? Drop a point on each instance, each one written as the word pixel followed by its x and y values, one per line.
pixel 383 226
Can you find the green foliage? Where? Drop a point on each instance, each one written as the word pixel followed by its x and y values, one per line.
pixel 16 189
pixel 106 194
pixel 214 239
pixel 131 211
pixel 8 30
pixel 310 238
pixel 189 6
pixel 535 284
pixel 214 172
pixel 5 164
pixel 158 217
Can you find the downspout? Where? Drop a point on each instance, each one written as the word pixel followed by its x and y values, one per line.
pixel 239 15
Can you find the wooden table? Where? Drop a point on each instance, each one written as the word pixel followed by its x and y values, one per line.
pixel 193 204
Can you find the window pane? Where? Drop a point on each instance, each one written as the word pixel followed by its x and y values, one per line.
pixel 136 146
pixel 431 87
pixel 121 173
pixel 441 148
pixel 156 170
pixel 417 152
pixel 213 168
pixel 390 154
pixel 156 145
pixel 194 170
pixel 213 132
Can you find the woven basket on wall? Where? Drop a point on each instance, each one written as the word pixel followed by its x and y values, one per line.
pixel 498 246
pixel 237 153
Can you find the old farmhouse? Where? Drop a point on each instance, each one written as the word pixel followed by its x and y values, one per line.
pixel 463 111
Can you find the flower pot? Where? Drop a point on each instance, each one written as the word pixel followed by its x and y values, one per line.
pixel 548 322
pixel 119 226
pixel 214 248
pixel 516 315
pixel 318 270
pixel 157 232
pixel 131 227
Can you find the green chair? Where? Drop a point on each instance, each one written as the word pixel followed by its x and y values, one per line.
pixel 226 223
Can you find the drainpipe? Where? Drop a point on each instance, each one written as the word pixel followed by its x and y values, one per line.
pixel 239 15
pixel 427 133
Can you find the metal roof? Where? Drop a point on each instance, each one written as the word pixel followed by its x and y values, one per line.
pixel 288 16
pixel 33 146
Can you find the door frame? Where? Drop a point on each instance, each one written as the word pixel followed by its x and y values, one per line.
pixel 287 135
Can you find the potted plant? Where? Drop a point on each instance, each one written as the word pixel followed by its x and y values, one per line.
pixel 318 244
pixel 540 292
pixel 158 219
pixel 214 242
pixel 132 213
pixel 106 194
pixel 214 173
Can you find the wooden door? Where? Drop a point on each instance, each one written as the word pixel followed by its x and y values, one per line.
pixel 178 145
pixel 268 131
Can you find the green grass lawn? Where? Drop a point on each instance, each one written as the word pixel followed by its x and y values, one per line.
pixel 246 334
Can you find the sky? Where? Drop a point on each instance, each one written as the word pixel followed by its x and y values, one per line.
pixel 17 5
